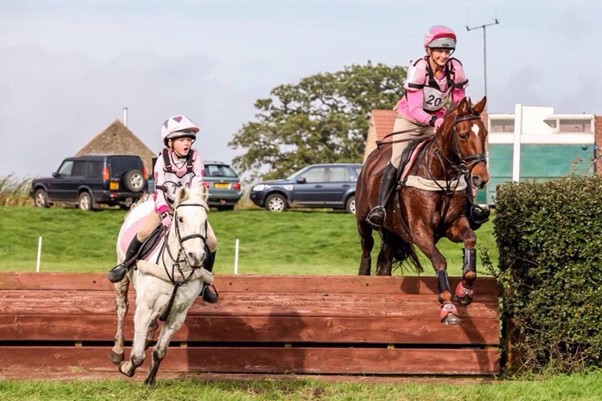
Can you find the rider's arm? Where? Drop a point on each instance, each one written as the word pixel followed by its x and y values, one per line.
pixel 415 99
pixel 159 196
pixel 460 82
pixel 197 168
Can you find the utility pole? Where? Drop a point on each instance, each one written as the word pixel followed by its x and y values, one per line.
pixel 484 27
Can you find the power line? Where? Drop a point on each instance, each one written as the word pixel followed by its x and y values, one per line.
pixel 484 28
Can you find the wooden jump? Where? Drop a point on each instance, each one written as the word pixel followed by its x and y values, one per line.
pixel 340 325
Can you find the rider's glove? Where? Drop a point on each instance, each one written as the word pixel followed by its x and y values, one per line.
pixel 166 219
pixel 438 123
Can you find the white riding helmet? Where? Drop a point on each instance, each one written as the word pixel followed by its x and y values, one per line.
pixel 178 127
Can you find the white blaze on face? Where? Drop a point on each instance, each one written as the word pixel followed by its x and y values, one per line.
pixel 475 129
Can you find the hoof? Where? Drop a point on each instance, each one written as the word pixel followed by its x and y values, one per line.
pixel 125 372
pixel 449 314
pixel 463 295
pixel 116 358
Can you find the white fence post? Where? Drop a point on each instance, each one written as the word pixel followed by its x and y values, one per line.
pixel 236 257
pixel 39 254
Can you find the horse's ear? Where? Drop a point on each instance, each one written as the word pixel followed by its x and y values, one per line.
pixel 479 107
pixel 205 193
pixel 463 107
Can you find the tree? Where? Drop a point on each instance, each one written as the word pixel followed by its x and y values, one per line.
pixel 321 119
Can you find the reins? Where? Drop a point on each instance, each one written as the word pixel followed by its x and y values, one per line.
pixel 178 260
pixel 423 130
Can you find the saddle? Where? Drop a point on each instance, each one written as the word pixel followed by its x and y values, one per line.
pixel 408 158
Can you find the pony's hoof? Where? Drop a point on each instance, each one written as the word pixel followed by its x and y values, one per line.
pixel 449 314
pixel 124 371
pixel 463 295
pixel 116 358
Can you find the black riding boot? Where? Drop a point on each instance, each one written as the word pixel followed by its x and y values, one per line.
pixel 117 273
pixel 376 217
pixel 208 295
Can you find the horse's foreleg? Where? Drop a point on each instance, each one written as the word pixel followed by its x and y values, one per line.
pixel 448 314
pixel 167 331
pixel 150 334
pixel 142 320
pixel 121 309
pixel 464 293
pixel 367 242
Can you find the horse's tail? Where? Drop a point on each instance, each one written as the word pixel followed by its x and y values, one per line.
pixel 403 252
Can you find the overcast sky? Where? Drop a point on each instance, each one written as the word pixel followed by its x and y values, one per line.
pixel 67 68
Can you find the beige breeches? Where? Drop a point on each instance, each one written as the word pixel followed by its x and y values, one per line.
pixel 401 124
pixel 154 220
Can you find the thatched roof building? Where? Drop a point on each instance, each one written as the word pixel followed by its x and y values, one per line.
pixel 118 139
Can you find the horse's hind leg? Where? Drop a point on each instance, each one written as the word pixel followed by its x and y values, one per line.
pixel 384 262
pixel 167 331
pixel 367 242
pixel 121 308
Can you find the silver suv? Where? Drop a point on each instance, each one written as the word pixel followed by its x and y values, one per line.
pixel 91 180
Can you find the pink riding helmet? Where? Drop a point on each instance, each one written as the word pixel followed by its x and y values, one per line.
pixel 440 37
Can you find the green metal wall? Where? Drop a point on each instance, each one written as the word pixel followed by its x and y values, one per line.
pixel 537 162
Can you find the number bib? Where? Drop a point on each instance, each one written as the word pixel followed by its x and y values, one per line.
pixel 434 99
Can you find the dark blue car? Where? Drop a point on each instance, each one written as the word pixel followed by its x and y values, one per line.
pixel 315 186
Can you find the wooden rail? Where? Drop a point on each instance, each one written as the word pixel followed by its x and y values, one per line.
pixel 352 325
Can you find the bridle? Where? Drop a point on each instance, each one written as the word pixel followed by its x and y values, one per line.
pixel 180 259
pixel 464 164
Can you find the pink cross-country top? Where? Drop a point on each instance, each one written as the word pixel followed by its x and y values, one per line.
pixel 183 172
pixel 426 94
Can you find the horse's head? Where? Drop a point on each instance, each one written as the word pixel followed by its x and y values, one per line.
pixel 464 139
pixel 189 227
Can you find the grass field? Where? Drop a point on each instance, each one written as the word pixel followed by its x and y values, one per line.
pixel 578 387
pixel 294 242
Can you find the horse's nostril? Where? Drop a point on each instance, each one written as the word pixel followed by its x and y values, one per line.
pixel 477 182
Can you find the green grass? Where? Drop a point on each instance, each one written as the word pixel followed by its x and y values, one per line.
pixel 294 242
pixel 575 388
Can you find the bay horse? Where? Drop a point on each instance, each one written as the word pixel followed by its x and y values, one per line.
pixel 167 281
pixel 429 203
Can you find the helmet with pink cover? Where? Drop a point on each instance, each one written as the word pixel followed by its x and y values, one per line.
pixel 440 37
pixel 178 127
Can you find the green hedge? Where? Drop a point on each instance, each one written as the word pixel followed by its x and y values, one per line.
pixel 549 238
